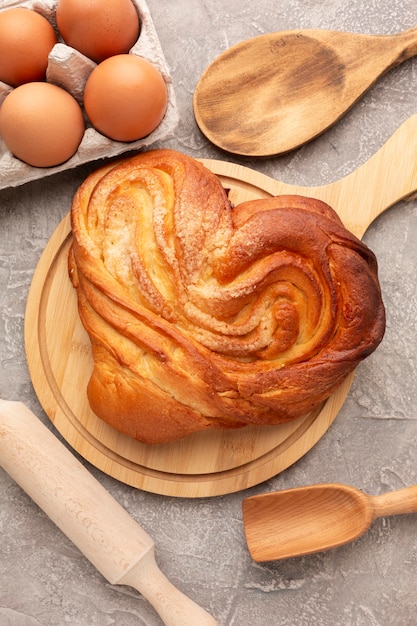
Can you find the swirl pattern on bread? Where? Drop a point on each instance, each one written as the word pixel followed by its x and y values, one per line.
pixel 204 315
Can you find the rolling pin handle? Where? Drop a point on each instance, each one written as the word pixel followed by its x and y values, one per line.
pixel 174 608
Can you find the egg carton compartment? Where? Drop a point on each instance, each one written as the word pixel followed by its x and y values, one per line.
pixel 70 69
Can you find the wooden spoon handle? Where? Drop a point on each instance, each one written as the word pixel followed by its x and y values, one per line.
pixel 395 502
pixel 90 517
pixel 408 41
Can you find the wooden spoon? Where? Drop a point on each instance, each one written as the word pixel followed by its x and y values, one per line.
pixel 271 94
pixel 310 519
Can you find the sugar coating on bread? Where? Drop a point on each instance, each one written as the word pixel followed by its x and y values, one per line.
pixel 203 315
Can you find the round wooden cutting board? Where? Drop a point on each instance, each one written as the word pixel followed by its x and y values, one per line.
pixel 209 463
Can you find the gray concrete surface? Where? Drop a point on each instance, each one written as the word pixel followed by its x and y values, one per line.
pixel 44 580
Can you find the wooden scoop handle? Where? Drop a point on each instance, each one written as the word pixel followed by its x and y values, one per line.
pixel 87 514
pixel 395 502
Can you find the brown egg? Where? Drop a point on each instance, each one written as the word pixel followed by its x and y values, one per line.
pixel 41 124
pixel 98 28
pixel 26 39
pixel 125 97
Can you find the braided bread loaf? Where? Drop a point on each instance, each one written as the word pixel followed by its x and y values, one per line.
pixel 202 315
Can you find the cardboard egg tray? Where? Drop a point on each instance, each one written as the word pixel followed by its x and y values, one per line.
pixel 70 69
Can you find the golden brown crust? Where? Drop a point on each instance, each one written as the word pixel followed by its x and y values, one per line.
pixel 206 316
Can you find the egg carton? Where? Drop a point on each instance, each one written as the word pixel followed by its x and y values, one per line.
pixel 70 69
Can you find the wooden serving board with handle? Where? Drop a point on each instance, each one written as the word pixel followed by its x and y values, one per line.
pixel 212 462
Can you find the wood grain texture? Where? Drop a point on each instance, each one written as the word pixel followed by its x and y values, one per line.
pixel 304 520
pixel 271 94
pixel 88 515
pixel 208 463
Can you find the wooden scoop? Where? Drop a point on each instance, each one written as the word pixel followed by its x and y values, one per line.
pixel 271 94
pixel 300 521
pixel 89 516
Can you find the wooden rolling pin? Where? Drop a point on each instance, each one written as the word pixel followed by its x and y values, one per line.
pixel 88 515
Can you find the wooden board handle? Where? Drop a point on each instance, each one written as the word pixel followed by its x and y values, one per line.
pixel 387 177
pixel 87 514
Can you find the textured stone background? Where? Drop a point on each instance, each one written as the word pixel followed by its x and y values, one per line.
pixel 44 580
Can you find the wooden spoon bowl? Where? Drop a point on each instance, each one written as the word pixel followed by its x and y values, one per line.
pixel 273 93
